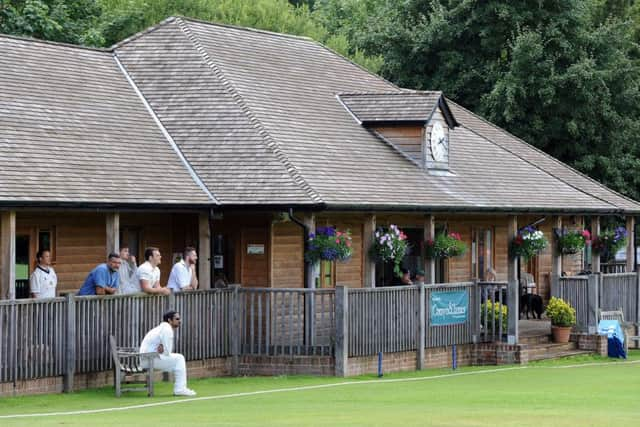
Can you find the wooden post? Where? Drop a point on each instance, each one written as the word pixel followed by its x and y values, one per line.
pixel 593 303
pixel 513 289
pixel 476 311
pixel 234 332
pixel 367 241
pixel 204 251
pixel 310 268
pixel 631 245
pixel 8 255
pixel 311 272
pixel 113 232
pixel 595 232
pixel 70 350
pixel 556 256
pixel 429 263
pixel 421 336
pixel 342 331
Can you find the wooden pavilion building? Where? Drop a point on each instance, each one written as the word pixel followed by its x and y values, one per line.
pixel 238 140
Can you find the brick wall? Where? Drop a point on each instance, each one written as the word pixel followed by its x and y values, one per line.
pixel 287 365
pixel 595 343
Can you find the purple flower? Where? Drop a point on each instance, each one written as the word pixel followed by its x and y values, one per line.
pixel 312 236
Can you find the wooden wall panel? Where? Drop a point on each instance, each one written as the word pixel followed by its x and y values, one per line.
pixel 406 138
pixel 287 259
pixel 350 273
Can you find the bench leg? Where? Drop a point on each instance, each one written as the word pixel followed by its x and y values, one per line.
pixel 116 381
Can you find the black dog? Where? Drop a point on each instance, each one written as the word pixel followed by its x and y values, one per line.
pixel 531 303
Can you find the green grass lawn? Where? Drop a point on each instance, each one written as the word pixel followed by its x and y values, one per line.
pixel 596 393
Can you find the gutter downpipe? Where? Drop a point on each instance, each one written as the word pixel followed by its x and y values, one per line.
pixel 212 245
pixel 309 309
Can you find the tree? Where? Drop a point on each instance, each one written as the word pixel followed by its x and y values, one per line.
pixel 69 21
pixel 562 75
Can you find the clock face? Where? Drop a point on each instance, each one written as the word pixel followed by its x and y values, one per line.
pixel 439 143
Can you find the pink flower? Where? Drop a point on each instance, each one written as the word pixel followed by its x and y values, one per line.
pixel 586 234
pixel 348 243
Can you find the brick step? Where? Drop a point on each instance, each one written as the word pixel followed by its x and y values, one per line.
pixel 550 347
pixel 535 339
pixel 558 354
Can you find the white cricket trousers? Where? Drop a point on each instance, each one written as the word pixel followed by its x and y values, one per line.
pixel 173 363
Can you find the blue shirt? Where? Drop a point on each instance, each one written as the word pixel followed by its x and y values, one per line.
pixel 100 276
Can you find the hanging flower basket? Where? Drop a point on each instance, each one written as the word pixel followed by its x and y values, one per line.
pixel 528 243
pixel 390 246
pixel 572 241
pixel 328 244
pixel 445 246
pixel 609 242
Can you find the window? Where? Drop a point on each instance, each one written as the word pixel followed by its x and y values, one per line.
pixel 481 252
pixel 327 277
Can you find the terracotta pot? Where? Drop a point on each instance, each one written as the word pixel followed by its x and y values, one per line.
pixel 561 333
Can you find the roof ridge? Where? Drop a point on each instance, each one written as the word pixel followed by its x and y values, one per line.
pixel 546 155
pixel 271 143
pixel 142 33
pixel 403 92
pixel 194 175
pixel 53 43
pixel 239 27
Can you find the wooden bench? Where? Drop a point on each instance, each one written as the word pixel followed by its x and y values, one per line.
pixel 619 316
pixel 127 369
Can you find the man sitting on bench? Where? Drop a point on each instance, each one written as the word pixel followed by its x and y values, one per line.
pixel 160 339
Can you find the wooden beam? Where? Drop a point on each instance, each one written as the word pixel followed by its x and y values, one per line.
pixel 595 232
pixel 513 289
pixel 631 245
pixel 8 255
pixel 204 251
pixel 367 241
pixel 113 232
pixel 429 229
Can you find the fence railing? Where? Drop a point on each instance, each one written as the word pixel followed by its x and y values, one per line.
pixel 492 298
pixel 287 321
pixel 456 333
pixel 620 291
pixel 383 319
pixel 613 267
pixel 579 293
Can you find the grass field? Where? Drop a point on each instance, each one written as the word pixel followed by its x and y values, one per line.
pixel 585 391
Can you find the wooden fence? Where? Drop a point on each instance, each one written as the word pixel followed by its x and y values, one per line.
pixel 620 291
pixel 287 321
pixel 492 318
pixel 459 333
pixel 579 292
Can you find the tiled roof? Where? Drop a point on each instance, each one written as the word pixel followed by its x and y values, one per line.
pixel 392 106
pixel 72 130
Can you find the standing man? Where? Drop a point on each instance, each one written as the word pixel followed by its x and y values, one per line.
pixel 149 274
pixel 160 339
pixel 129 283
pixel 104 279
pixel 183 274
pixel 43 280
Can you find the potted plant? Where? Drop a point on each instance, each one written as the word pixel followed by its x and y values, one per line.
pixel 328 244
pixel 445 246
pixel 562 317
pixel 390 246
pixel 571 241
pixel 608 242
pixel 528 243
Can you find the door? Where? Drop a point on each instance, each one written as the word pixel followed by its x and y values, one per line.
pixel 255 247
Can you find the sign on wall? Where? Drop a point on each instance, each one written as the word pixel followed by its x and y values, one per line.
pixel 449 307
pixel 255 249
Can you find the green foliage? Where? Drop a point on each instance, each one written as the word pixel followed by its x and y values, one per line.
pixel 328 244
pixel 68 21
pixel 610 241
pixel 528 243
pixel 445 246
pixel 560 313
pixel 571 241
pixel 492 312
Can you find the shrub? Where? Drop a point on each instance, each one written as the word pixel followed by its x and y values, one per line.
pixel 445 246
pixel 493 315
pixel 560 313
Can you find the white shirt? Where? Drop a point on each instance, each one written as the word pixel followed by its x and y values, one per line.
pixel 180 276
pixel 43 283
pixel 129 283
pixel 161 334
pixel 150 273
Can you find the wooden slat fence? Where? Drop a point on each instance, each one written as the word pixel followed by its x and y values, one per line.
pixel 613 267
pixel 382 319
pixel 32 339
pixel 461 333
pixel 287 321
pixel 204 333
pixel 575 291
pixel 492 322
pixel 620 291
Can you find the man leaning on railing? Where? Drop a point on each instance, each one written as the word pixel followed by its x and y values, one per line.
pixel 104 279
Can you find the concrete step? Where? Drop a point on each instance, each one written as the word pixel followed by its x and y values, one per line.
pixel 535 339
pixel 557 354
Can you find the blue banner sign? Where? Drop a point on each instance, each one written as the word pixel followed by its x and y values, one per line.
pixel 449 308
